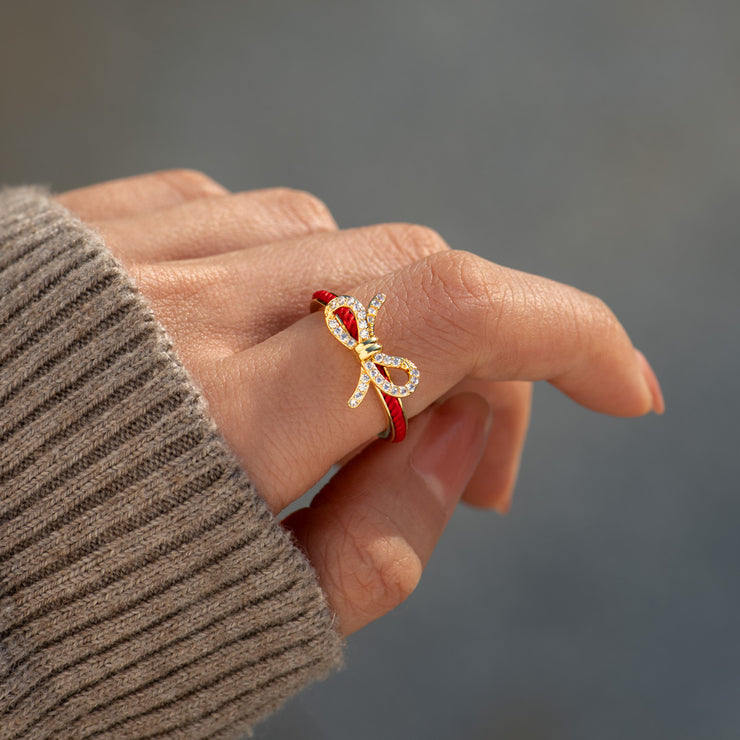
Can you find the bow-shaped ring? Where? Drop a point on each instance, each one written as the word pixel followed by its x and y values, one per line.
pixel 368 349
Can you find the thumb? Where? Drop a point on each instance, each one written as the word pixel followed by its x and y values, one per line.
pixel 371 530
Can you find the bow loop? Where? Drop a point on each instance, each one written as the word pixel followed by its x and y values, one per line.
pixel 373 362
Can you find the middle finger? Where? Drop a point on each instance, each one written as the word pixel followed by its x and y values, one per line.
pixel 241 298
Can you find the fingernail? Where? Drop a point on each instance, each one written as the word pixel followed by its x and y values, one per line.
pixel 652 381
pixel 452 444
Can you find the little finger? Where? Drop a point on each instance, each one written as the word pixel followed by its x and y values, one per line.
pixel 131 196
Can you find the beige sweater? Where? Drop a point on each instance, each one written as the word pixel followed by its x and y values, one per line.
pixel 145 589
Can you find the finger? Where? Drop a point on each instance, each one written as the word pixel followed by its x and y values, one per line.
pixel 131 196
pixel 233 319
pixel 211 226
pixel 453 315
pixel 370 532
pixel 492 484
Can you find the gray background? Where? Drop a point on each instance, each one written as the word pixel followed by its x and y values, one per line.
pixel 597 143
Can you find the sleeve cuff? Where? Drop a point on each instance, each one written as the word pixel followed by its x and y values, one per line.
pixel 146 589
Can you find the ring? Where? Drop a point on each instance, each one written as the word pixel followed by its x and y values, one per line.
pixel 353 325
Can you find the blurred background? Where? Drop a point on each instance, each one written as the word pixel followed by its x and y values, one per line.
pixel 597 143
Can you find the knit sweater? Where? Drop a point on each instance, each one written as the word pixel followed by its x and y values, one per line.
pixel 146 591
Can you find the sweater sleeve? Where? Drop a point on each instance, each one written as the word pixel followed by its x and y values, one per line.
pixel 145 588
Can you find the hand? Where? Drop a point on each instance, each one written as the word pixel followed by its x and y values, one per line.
pixel 230 277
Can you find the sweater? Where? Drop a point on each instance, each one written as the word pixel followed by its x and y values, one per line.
pixel 146 591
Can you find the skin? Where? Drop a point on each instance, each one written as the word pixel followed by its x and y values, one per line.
pixel 230 277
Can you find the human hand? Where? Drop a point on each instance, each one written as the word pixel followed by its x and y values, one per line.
pixel 230 277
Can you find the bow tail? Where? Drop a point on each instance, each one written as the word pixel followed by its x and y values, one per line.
pixel 360 391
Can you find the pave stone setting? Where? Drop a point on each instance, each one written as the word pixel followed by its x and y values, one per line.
pixel 372 368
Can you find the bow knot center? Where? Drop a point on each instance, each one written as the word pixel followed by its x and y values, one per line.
pixel 367 348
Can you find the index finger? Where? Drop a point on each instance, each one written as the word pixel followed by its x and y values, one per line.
pixel 282 405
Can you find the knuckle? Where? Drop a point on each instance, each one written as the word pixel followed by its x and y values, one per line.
pixel 592 317
pixel 190 183
pixel 460 293
pixel 411 242
pixel 601 312
pixel 309 209
pixel 380 570
pixel 459 278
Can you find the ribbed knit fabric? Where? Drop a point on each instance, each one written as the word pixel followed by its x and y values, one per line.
pixel 145 589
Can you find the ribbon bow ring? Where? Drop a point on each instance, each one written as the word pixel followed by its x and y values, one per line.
pixel 373 362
